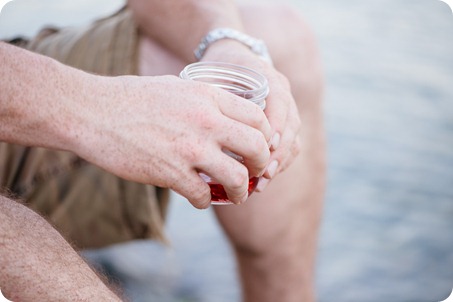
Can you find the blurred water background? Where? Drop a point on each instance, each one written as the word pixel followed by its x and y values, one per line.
pixel 387 233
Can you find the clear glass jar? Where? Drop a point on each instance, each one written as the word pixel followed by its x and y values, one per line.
pixel 241 81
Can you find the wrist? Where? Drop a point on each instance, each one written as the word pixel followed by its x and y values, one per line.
pixel 94 114
pixel 220 35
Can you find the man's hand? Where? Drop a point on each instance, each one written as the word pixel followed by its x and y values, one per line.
pixel 164 131
pixel 281 109
pixel 180 32
pixel 155 130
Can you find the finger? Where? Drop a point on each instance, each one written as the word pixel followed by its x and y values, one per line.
pixel 284 155
pixel 248 143
pixel 262 184
pixel 193 188
pixel 245 112
pixel 283 140
pixel 275 141
pixel 279 104
pixel 295 150
pixel 231 174
pixel 274 167
pixel 271 169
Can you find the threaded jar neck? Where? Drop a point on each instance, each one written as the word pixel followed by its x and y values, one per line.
pixel 241 81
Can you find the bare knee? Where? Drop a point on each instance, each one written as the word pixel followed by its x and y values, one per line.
pixel 280 26
pixel 292 45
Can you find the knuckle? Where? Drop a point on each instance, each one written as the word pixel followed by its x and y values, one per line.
pixel 200 197
pixel 192 152
pixel 207 121
pixel 258 117
pixel 259 146
pixel 193 188
pixel 239 178
pixel 283 81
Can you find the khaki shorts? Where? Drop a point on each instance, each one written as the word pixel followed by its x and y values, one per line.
pixel 90 207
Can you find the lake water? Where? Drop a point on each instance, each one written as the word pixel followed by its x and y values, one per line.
pixel 387 233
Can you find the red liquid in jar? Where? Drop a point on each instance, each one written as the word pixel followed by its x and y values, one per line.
pixel 218 194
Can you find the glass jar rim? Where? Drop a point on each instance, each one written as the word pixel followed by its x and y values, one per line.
pixel 260 87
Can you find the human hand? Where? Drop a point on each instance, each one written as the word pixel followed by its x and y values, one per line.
pixel 164 131
pixel 281 109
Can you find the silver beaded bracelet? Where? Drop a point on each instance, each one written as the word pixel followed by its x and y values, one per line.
pixel 255 45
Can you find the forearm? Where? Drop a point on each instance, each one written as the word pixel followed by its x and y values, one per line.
pixel 180 25
pixel 40 99
pixel 37 264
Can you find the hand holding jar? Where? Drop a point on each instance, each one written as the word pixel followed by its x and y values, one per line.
pixel 281 109
pixel 239 81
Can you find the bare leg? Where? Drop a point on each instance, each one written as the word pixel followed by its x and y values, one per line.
pixel 37 264
pixel 275 233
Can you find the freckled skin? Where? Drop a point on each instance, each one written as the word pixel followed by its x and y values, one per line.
pixel 165 143
pixel 95 122
pixel 179 128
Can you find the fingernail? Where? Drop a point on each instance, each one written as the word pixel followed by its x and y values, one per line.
pixel 275 141
pixel 262 184
pixel 272 168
